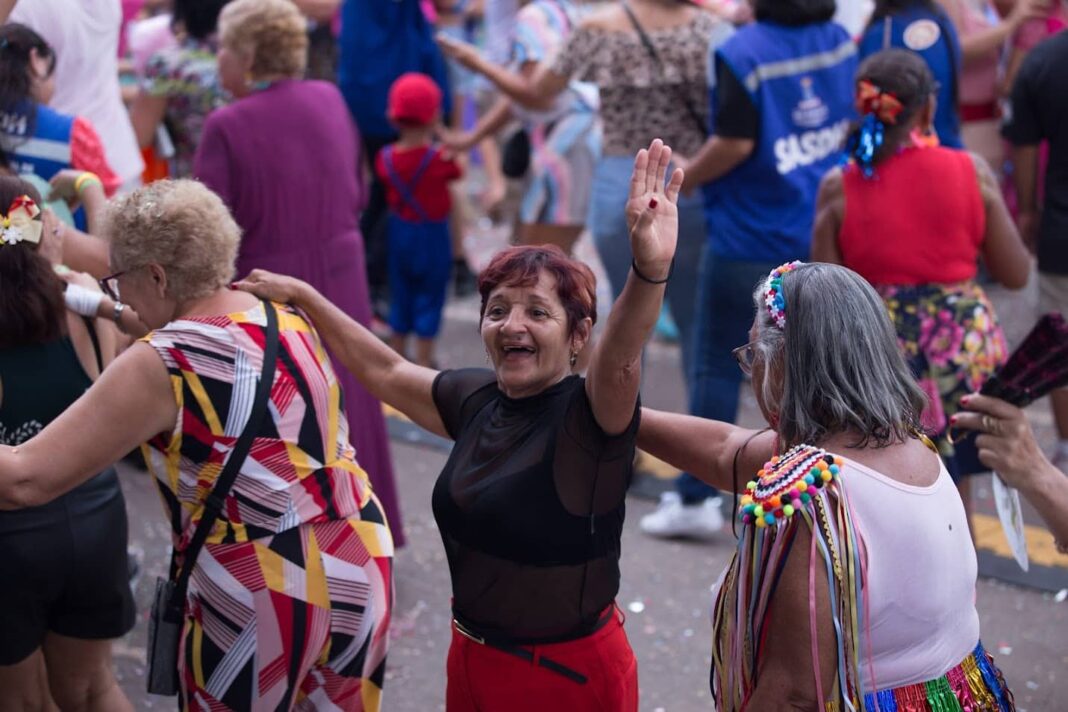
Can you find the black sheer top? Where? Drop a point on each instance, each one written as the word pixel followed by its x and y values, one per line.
pixel 530 507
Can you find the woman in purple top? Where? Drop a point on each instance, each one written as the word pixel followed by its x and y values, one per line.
pixel 285 157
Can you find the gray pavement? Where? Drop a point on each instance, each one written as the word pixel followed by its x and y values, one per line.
pixel 664 592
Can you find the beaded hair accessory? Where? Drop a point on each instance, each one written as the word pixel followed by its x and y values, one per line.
pixel 19 224
pixel 774 299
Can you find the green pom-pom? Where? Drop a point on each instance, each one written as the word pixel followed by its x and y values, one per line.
pixel 788 510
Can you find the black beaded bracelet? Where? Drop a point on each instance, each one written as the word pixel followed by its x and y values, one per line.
pixel 642 277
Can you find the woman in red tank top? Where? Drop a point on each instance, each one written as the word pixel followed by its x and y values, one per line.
pixel 913 218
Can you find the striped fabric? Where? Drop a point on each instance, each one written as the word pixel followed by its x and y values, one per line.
pixel 290 599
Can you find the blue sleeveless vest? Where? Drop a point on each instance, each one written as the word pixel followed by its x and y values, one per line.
pixel 381 40
pixel 930 34
pixel 801 81
pixel 43 148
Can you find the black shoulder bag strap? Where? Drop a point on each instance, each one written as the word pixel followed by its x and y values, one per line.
pixel 90 326
pixel 214 504
pixel 700 123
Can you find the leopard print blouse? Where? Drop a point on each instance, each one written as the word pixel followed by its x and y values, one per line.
pixel 639 100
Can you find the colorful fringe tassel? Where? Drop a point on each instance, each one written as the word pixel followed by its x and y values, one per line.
pixel 976 685
pixel 836 550
pixel 743 604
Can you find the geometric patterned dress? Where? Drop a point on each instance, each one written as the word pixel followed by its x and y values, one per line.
pixel 289 603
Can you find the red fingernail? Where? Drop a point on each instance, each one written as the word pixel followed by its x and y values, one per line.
pixel 964 400
pixel 652 203
pixel 953 419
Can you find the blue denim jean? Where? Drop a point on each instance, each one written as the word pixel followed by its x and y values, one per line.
pixel 608 224
pixel 724 316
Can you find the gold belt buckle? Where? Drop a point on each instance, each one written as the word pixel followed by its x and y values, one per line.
pixel 467 634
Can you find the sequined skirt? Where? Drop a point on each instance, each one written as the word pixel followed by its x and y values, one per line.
pixel 975 685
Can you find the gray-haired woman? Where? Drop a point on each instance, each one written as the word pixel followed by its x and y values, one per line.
pixel 855 574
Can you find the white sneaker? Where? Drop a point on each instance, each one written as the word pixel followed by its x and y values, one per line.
pixel 672 519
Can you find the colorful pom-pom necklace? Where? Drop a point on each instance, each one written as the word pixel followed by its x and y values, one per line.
pixel 786 484
pixel 774 299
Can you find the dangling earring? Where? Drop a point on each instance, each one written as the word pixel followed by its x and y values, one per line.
pixel 574 359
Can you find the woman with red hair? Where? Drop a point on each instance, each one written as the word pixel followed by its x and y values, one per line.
pixel 530 503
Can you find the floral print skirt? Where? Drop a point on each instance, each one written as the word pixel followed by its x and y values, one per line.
pixel 951 340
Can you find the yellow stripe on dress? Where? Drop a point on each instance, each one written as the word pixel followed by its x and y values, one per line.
pixel 273 567
pixel 317 593
pixel 211 418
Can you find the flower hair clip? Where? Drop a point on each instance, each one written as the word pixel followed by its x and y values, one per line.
pixel 19 224
pixel 884 105
pixel 773 296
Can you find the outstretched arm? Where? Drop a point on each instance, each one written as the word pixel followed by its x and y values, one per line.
pixel 535 88
pixel 705 448
pixel 614 374
pixel 136 394
pixel 495 119
pixel 386 374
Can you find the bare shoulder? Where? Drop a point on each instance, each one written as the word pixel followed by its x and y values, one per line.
pixel 141 354
pixel 607 18
pixel 911 462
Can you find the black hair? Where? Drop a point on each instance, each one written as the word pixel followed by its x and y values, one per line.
pixel 904 74
pixel 32 310
pixel 16 80
pixel 197 18
pixel 888 8
pixel 794 12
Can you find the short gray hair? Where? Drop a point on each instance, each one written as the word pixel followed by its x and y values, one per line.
pixel 839 357
pixel 180 225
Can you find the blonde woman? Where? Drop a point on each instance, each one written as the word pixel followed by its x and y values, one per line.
pixel 293 586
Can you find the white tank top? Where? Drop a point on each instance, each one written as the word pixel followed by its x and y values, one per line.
pixel 921 576
pixel 85 37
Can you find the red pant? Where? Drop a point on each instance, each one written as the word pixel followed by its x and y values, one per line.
pixel 484 679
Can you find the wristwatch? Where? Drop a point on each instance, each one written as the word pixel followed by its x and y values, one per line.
pixel 116 315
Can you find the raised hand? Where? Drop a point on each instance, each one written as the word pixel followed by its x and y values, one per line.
pixel 652 215
pixel 275 287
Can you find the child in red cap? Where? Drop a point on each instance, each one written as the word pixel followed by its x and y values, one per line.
pixel 416 174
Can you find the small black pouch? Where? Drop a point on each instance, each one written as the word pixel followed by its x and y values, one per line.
pixel 168 603
pixel 515 154
pixel 164 630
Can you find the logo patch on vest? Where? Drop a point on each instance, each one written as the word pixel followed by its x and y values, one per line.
pixel 810 112
pixel 921 35
pixel 808 147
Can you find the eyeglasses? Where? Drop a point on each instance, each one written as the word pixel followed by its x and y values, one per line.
pixel 110 285
pixel 745 355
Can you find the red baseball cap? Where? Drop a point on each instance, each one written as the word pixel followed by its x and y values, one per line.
pixel 414 98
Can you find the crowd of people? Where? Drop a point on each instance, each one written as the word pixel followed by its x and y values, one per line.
pixel 225 218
